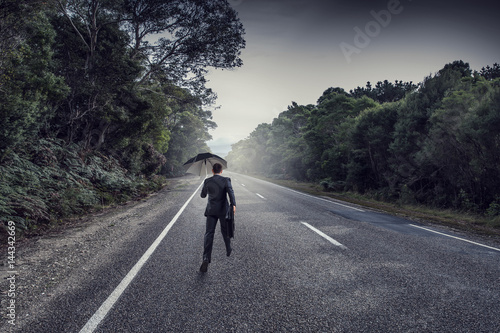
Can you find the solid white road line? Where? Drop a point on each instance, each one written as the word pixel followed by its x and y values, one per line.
pixel 325 236
pixel 330 201
pixel 96 319
pixel 260 196
pixel 462 239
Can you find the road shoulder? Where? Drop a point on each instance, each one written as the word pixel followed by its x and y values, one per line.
pixel 51 264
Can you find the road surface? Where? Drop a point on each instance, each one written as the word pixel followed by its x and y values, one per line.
pixel 299 264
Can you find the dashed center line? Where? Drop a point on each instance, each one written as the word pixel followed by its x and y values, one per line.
pixel 260 196
pixel 325 236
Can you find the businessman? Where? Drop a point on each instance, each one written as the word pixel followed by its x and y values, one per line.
pixel 217 188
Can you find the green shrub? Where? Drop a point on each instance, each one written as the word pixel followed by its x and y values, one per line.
pixel 48 180
pixel 330 185
pixel 494 208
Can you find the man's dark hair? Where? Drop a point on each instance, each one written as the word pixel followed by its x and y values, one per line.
pixel 217 168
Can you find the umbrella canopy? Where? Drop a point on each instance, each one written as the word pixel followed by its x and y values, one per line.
pixel 202 163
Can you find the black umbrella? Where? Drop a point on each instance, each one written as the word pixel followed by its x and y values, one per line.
pixel 201 163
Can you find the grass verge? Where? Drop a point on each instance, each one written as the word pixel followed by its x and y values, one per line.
pixel 478 224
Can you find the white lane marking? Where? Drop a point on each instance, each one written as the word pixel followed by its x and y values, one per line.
pixel 305 194
pixel 260 196
pixel 243 185
pixel 99 315
pixel 462 239
pixel 325 236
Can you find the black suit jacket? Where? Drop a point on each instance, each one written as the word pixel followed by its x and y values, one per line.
pixel 217 187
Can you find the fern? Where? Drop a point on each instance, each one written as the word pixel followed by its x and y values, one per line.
pixel 47 180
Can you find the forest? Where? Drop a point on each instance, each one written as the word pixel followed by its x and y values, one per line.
pixel 436 143
pixel 100 100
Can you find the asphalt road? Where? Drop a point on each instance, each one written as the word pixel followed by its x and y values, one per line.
pixel 299 264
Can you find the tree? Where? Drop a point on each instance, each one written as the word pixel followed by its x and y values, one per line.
pixel 490 73
pixel 193 34
pixel 86 118
pixel 286 142
pixel 370 138
pixel 385 91
pixel 412 126
pixel 251 155
pixel 29 90
pixel 462 146
pixel 438 145
pixel 327 134
pixel 93 56
pixel 275 149
pixel 188 126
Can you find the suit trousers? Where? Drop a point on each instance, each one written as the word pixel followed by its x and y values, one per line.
pixel 209 236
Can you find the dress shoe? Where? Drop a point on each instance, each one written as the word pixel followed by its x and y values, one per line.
pixel 228 252
pixel 204 267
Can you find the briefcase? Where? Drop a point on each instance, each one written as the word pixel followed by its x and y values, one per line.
pixel 230 222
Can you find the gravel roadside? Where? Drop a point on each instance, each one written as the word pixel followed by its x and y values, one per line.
pixel 51 264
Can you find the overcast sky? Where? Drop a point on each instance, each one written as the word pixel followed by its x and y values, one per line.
pixel 297 49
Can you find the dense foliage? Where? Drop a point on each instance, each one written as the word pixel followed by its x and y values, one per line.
pixel 100 98
pixel 436 143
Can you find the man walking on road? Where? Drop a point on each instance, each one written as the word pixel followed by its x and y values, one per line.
pixel 216 187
